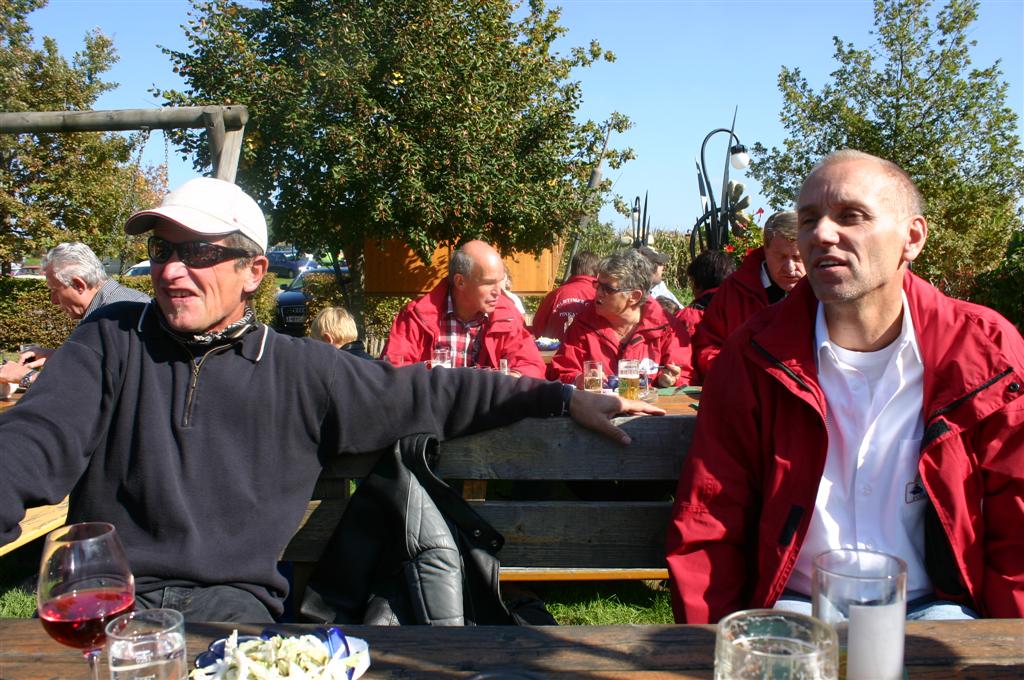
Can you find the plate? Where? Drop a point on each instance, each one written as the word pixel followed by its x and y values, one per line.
pixel 337 643
pixel 546 344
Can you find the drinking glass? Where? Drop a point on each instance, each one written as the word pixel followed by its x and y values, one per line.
pixel 629 378
pixel 441 357
pixel 147 645
pixel 593 376
pixel 84 582
pixel 863 594
pixel 767 644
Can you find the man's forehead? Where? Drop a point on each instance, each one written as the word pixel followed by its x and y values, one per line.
pixel 841 183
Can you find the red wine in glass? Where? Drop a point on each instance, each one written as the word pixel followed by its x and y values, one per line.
pixel 84 582
pixel 78 619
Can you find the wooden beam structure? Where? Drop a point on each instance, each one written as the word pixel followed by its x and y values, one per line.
pixel 224 125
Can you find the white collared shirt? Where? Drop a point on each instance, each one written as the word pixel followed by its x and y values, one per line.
pixel 870 495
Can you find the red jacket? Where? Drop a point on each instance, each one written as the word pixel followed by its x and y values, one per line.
pixel 559 307
pixel 740 295
pixel 418 327
pixel 591 338
pixel 748 486
pixel 691 314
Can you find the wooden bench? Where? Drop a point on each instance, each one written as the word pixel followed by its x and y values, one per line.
pixel 37 523
pixel 544 539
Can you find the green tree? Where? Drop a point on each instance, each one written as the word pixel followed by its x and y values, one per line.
pixel 915 99
pixel 61 186
pixel 430 121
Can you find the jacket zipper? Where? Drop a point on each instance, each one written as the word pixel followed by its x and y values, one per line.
pixel 194 383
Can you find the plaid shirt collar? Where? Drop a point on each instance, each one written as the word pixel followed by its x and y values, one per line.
pixel 461 337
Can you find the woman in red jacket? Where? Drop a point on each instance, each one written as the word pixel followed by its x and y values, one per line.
pixel 624 323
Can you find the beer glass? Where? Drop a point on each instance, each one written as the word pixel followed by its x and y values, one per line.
pixel 441 358
pixel 629 378
pixel 593 376
pixel 762 644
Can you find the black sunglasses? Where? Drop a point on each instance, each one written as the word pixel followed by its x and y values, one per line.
pixel 196 254
pixel 608 290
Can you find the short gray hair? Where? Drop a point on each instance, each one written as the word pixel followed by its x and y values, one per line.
pixel 782 223
pixel 69 260
pixel 240 241
pixel 460 263
pixel 629 268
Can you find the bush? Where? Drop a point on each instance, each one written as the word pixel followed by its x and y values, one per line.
pixel 1002 289
pixel 27 316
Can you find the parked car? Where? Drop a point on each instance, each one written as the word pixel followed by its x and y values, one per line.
pixel 291 303
pixel 282 265
pixel 138 269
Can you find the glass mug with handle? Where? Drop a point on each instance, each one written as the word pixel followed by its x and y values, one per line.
pixel 763 644
pixel 629 378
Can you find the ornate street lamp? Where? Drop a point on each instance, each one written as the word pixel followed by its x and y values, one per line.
pixel 640 223
pixel 711 231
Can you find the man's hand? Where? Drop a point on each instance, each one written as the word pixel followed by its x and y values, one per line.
pixel 12 372
pixel 669 375
pixel 35 357
pixel 594 411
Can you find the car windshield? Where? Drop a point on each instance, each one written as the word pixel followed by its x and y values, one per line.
pixel 300 280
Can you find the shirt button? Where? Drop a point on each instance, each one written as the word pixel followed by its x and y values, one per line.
pixel 866 489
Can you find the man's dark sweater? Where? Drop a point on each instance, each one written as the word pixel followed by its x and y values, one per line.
pixel 205 467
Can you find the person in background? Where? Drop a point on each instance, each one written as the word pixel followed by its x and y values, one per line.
pixel 668 306
pixel 79 285
pixel 867 410
pixel 205 431
pixel 335 326
pixel 468 315
pixel 764 277
pixel 559 307
pixel 658 286
pixel 625 322
pixel 705 273
pixel 506 289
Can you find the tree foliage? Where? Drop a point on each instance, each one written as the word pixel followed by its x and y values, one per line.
pixel 61 186
pixel 915 98
pixel 430 121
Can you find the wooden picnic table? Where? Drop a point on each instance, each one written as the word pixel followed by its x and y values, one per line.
pixel 934 649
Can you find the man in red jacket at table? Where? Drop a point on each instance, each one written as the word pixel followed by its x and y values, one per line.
pixel 558 309
pixel 466 314
pixel 764 278
pixel 867 410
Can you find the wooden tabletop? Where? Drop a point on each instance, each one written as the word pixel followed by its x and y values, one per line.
pixel 945 649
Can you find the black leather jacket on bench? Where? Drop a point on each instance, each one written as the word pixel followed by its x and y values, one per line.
pixel 408 550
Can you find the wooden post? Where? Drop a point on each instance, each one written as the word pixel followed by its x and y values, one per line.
pixel 225 126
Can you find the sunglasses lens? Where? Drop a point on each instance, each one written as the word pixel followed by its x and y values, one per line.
pixel 199 254
pixel 159 250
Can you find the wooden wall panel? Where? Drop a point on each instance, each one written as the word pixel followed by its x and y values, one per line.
pixel 393 269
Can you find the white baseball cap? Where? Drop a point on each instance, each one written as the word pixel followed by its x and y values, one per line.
pixel 207 206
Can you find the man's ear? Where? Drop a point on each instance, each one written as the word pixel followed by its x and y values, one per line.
pixel 917 234
pixel 328 338
pixel 636 297
pixel 79 284
pixel 254 273
pixel 459 281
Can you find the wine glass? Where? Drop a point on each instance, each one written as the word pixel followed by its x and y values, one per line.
pixel 84 581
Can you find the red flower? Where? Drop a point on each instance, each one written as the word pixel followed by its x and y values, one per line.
pixel 760 211
pixel 729 248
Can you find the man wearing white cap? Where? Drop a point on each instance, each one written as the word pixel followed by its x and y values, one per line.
pixel 207 429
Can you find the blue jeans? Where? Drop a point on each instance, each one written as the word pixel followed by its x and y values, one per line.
pixel 926 608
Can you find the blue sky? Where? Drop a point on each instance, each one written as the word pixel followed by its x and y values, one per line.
pixel 682 66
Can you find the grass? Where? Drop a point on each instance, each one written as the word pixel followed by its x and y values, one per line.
pixel 17 574
pixel 607 603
